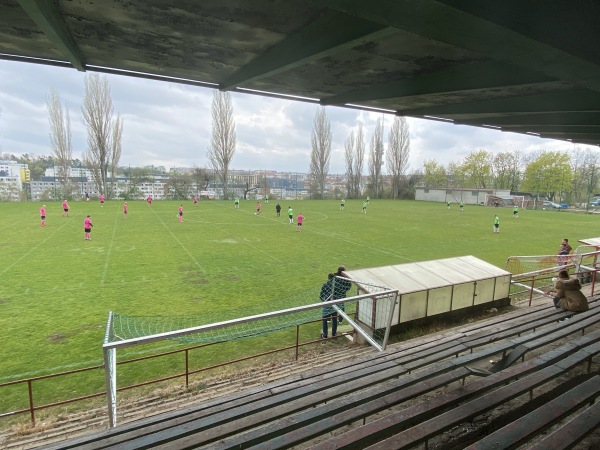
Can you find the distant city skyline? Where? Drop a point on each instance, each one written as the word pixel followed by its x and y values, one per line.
pixel 169 124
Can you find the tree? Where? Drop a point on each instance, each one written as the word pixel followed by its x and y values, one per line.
pixel 506 170
pixel 455 175
pixel 321 151
pixel 398 153
pixel 585 167
pixel 434 174
pixel 201 178
pixel 179 187
pixel 223 141
pixel 349 158
pixel 359 160
pixel 477 169
pixel 548 174
pixel 60 137
pixel 115 154
pixel 376 158
pixel 104 132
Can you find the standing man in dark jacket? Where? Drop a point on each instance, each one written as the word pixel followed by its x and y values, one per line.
pixel 329 313
pixel 341 286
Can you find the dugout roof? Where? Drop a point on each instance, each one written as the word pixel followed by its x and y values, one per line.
pixel 522 66
pixel 595 242
pixel 425 275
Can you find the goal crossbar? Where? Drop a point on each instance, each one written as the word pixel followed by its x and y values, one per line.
pixel 113 342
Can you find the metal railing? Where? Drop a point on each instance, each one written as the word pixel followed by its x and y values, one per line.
pixel 30 383
pixel 535 283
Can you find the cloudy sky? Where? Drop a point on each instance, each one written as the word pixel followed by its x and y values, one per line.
pixel 169 124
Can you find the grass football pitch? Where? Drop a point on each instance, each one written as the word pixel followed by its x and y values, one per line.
pixel 57 288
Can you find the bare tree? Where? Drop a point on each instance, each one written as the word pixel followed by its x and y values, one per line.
pixel 359 159
pixel 60 137
pixel 104 133
pixel 376 158
pixel 201 179
pixel 398 153
pixel 321 151
pixel 117 134
pixel 349 157
pixel 223 141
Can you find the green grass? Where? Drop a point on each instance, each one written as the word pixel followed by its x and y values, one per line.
pixel 56 289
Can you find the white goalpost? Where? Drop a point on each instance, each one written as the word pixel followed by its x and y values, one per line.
pixel 514 200
pixel 519 200
pixel 121 331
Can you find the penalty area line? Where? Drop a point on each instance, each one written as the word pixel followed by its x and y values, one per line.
pixel 180 243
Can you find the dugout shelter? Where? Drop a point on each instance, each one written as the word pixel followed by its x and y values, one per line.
pixel 432 289
pixel 592 242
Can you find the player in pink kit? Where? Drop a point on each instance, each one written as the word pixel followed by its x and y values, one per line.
pixel 125 210
pixel 87 227
pixel 65 208
pixel 149 200
pixel 181 213
pixel 102 200
pixel 43 215
pixel 195 201
pixel 299 221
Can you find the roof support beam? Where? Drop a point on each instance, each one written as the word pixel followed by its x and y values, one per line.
pixel 48 19
pixel 555 129
pixel 436 20
pixel 576 137
pixel 329 34
pixel 467 77
pixel 533 120
pixel 569 101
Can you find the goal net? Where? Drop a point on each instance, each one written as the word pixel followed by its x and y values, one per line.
pixel 510 201
pixel 300 308
pixel 536 272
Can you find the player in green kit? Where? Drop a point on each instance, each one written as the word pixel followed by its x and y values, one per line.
pixel 291 214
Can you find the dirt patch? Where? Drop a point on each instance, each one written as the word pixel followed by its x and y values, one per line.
pixel 57 338
pixel 195 278
pixel 229 277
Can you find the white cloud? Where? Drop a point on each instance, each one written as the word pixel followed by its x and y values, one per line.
pixel 170 124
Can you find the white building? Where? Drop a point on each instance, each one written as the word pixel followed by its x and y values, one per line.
pixel 12 177
pixel 468 196
pixel 74 172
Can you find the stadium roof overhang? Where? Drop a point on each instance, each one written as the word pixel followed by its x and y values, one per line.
pixel 522 66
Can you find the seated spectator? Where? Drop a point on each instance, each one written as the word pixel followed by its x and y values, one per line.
pixel 568 293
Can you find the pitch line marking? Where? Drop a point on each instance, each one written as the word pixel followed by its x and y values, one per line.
pixel 110 247
pixel 32 250
pixel 180 243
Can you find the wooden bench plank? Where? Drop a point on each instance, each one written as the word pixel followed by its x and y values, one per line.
pixel 520 431
pixel 222 417
pixel 425 420
pixel 429 358
pixel 332 420
pixel 316 421
pixel 572 432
